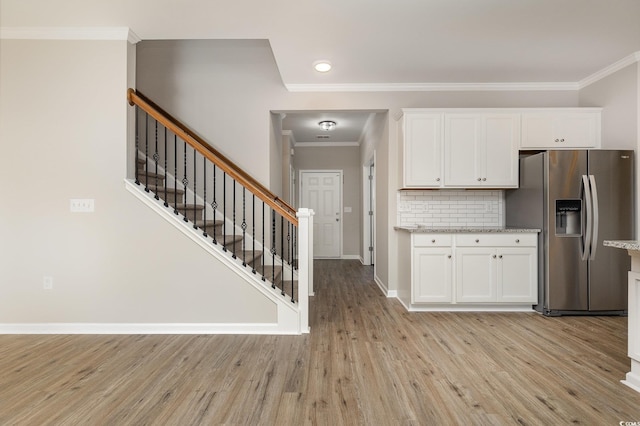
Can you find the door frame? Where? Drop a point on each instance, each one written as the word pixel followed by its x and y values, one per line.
pixel 368 204
pixel 301 172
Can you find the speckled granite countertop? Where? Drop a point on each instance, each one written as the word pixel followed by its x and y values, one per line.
pixel 625 245
pixel 426 230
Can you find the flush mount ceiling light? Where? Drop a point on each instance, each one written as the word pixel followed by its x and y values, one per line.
pixel 327 125
pixel 322 66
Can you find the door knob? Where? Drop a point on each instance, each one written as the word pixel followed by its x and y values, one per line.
pixel 337 220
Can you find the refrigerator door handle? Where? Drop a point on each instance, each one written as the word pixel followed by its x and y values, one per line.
pixel 587 198
pixel 594 235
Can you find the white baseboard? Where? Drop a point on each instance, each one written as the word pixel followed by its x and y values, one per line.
pixel 150 328
pixel 350 257
pixel 380 284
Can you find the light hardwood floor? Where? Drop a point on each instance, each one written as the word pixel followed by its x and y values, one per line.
pixel 367 361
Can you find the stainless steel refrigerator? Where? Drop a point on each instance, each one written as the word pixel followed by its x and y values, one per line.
pixel 578 199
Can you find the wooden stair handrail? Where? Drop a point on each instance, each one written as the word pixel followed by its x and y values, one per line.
pixel 213 155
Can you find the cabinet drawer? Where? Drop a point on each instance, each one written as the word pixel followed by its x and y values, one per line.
pixel 496 240
pixel 432 240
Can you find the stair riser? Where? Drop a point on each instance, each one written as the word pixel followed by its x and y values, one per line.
pixel 152 180
pixel 192 215
pixel 171 197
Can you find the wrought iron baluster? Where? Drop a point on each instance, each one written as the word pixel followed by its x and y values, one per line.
pixel 224 211
pixel 244 226
pixel 195 187
pixel 234 221
pixel 214 204
pixel 185 181
pixel 204 189
pixel 156 157
pixel 253 233
pixel 175 172
pixel 282 253
pixel 273 248
pixel 137 112
pixel 289 225
pixel 166 203
pixel 263 246
pixel 146 152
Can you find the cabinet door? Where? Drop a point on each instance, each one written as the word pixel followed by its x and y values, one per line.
pixel 422 150
pixel 579 130
pixel 517 278
pixel 475 275
pixel 501 143
pixel 432 275
pixel 481 150
pixel 462 150
pixel 558 130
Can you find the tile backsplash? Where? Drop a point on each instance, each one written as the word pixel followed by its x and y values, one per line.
pixel 451 208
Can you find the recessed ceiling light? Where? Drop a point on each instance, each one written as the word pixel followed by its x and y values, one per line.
pixel 327 125
pixel 322 66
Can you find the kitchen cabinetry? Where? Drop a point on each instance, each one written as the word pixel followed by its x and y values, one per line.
pixel 558 128
pixel 470 271
pixel 492 268
pixel 481 150
pixel 478 147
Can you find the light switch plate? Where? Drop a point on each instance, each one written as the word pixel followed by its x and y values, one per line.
pixel 82 205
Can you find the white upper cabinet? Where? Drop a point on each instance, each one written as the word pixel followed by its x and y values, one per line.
pixel 459 148
pixel 481 150
pixel 422 150
pixel 561 128
pixel 478 147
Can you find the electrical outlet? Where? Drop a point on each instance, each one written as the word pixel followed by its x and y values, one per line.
pixel 82 205
pixel 47 283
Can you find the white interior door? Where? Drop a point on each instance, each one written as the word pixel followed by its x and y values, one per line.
pixel 321 192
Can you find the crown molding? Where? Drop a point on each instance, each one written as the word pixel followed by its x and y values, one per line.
pixel 607 71
pixel 69 33
pixel 432 87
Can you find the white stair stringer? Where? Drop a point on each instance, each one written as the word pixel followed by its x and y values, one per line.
pixel 289 314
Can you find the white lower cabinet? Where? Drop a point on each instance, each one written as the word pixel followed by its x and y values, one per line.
pixel 474 269
pixel 432 275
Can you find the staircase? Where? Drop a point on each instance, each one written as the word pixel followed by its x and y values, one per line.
pixel 211 199
pixel 193 214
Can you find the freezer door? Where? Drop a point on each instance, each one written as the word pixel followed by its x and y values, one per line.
pixel 612 172
pixel 566 286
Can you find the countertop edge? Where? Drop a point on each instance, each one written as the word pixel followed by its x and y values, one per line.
pixel 420 230
pixel 623 244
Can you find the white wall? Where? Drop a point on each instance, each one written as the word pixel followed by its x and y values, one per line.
pixel 617 94
pixel 63 134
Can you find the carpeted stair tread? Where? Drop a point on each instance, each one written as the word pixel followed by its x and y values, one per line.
pixel 183 206
pixel 151 175
pixel 200 223
pixel 160 189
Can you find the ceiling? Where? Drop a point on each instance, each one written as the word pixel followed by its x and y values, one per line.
pixel 381 44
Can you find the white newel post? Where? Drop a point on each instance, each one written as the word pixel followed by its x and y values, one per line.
pixel 305 264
